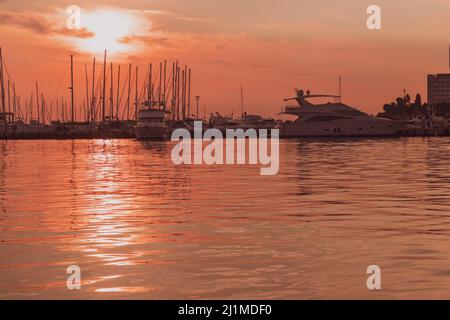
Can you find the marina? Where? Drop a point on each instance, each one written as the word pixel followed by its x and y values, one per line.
pixel 224 159
pixel 162 103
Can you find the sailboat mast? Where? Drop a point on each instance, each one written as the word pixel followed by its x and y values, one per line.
pixel 172 100
pixel 43 109
pixel 197 99
pixel 118 93
pixel 9 98
pixel 37 103
pixel 14 101
pixel 104 89
pixel 242 101
pixel 136 96
pixel 178 93
pixel 175 90
pixel 111 104
pixel 150 89
pixel 164 95
pixel 183 94
pixel 93 93
pixel 160 84
pixel 71 90
pixel 2 85
pixel 31 106
pixel 129 92
pixel 87 116
pixel 189 94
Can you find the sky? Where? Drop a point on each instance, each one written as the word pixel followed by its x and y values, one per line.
pixel 270 47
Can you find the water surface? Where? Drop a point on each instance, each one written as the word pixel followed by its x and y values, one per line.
pixel 140 227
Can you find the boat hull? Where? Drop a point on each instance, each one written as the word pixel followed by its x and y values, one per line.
pixel 342 128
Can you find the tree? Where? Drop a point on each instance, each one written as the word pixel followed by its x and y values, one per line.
pixel 418 101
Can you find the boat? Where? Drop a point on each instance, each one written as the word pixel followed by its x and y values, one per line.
pixel 333 119
pixel 253 121
pixel 3 124
pixel 152 124
pixel 222 123
pixel 427 126
pixel 189 124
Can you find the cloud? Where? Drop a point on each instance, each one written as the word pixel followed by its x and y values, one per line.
pixel 40 25
pixel 177 16
pixel 196 19
pixel 153 38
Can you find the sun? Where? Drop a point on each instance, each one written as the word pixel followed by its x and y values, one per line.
pixel 110 27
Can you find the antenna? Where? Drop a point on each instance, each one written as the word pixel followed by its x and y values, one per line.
pixel 340 87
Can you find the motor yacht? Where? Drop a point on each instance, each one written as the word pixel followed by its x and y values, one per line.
pixel 333 119
pixel 152 124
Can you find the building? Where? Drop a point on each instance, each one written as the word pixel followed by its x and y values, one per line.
pixel 438 88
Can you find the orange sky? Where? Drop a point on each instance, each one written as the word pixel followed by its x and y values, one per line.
pixel 269 46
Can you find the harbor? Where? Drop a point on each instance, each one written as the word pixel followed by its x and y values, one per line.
pixel 162 103
pixel 223 159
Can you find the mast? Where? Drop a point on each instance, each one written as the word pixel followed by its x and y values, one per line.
pixel 93 93
pixel 117 93
pixel 111 97
pixel 172 100
pixel 160 84
pixel 62 108
pixel 242 101
pixel 26 110
pixel 136 96
pixel 104 89
pixel 31 106
pixel 43 108
pixel 71 89
pixel 2 86
pixel 37 104
pixel 164 95
pixel 183 94
pixel 9 99
pixel 14 102
pixel 175 89
pixel 178 93
pixel 189 94
pixel 150 89
pixel 87 109
pixel 129 92
pixel 197 99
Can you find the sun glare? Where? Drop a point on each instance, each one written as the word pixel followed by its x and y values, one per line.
pixel 110 28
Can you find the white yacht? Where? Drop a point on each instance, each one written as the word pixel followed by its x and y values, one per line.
pixel 152 124
pixel 333 119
